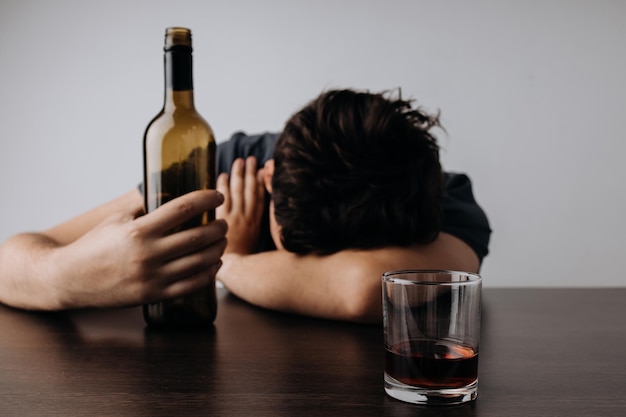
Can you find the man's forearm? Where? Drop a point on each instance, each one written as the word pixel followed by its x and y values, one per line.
pixel 30 276
pixel 109 257
pixel 27 273
pixel 314 286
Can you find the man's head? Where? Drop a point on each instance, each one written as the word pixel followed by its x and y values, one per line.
pixel 355 170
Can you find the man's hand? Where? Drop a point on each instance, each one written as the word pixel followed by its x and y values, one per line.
pixel 243 205
pixel 129 260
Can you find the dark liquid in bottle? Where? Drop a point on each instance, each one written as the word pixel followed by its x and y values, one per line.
pixel 200 307
pixel 432 364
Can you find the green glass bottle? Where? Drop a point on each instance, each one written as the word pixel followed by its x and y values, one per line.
pixel 179 157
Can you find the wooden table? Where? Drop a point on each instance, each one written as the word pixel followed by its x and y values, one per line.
pixel 544 352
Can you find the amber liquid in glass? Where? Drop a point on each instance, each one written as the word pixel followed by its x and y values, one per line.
pixel 432 364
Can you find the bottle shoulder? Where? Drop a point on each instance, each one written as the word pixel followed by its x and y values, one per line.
pixel 180 114
pixel 178 123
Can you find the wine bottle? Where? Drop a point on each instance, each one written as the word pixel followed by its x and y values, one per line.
pixel 179 157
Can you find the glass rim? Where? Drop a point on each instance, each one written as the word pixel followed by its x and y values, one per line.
pixel 393 277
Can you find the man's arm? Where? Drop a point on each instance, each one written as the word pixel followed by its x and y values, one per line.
pixel 330 287
pixel 326 287
pixel 112 256
pixel 343 286
pixel 72 229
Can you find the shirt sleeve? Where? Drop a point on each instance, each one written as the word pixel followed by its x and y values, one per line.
pixel 462 216
pixel 241 145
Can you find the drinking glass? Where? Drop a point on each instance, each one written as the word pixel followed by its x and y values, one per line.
pixel 431 322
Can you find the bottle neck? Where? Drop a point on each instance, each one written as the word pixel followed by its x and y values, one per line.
pixel 178 78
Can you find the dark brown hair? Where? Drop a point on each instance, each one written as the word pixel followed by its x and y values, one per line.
pixel 356 170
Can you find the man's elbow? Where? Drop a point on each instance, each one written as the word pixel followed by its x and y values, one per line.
pixel 364 305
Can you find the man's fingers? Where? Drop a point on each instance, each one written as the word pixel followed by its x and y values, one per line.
pixel 179 210
pixel 186 266
pixel 251 191
pixel 244 186
pixel 189 241
pixel 261 182
pixel 237 185
pixel 223 186
pixel 192 283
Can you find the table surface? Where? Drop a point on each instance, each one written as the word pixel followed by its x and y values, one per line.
pixel 544 352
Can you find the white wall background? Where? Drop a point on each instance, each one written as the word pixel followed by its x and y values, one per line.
pixel 532 94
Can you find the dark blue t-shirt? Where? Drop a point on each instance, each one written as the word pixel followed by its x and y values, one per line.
pixel 462 216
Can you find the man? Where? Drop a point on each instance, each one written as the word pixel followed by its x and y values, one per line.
pixel 356 189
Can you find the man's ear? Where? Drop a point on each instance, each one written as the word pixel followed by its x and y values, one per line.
pixel 268 173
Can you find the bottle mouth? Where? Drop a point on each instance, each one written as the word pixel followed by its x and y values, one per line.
pixel 177 37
